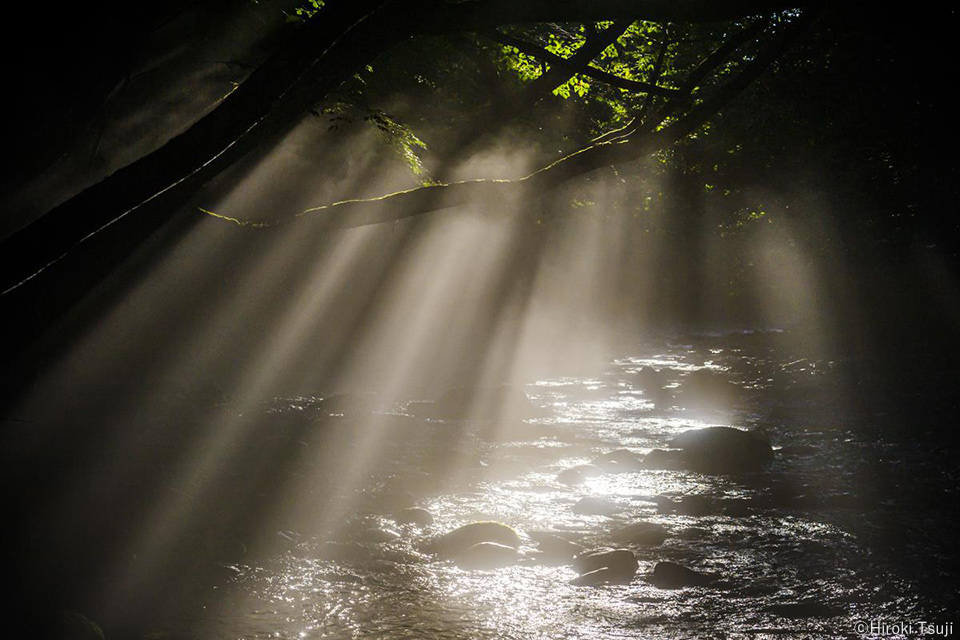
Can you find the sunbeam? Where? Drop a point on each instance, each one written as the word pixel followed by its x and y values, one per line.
pixel 501 320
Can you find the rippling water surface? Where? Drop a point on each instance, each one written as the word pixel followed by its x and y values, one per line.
pixel 811 529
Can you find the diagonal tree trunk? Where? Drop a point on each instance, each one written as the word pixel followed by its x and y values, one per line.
pixel 336 42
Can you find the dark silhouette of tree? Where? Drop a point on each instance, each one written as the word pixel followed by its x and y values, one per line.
pixel 328 49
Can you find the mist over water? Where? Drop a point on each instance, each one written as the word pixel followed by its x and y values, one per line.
pixel 245 425
pixel 225 447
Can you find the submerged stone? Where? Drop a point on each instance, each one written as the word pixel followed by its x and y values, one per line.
pixel 606 566
pixel 556 548
pixel 571 476
pixel 670 575
pixel 663 459
pixel 641 533
pixel 579 473
pixel 618 461
pixel 648 378
pixel 463 538
pixel 723 450
pixel 602 576
pixel 486 555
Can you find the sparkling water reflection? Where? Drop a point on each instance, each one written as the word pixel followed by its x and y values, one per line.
pixel 809 548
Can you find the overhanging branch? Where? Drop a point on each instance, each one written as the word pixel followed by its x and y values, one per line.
pixel 405 204
pixel 343 37
pixel 598 74
pixel 558 75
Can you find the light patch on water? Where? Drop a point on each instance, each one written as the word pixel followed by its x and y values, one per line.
pixel 394 590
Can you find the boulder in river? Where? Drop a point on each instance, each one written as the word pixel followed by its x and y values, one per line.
pixel 723 450
pixel 663 459
pixel 555 547
pixel 486 555
pixel 640 533
pixel 605 566
pixel 670 575
pixel 579 473
pixel 618 461
pixel 648 378
pixel 458 541
pixel 571 476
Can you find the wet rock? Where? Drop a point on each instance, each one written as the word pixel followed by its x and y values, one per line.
pixel 486 555
pixel 618 461
pixel 589 470
pixel 593 506
pixel 571 476
pixel 556 548
pixel 663 459
pixel 641 533
pixel 463 538
pixel 606 566
pixel 695 505
pixel 661 398
pixel 579 473
pixel 648 378
pixel 414 515
pixel 693 533
pixel 723 450
pixel 464 403
pixel 670 575
pixel 665 504
pixel 602 576
pixel 799 610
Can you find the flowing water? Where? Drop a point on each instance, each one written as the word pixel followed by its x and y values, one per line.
pixel 832 521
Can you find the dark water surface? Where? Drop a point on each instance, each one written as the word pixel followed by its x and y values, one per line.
pixel 852 515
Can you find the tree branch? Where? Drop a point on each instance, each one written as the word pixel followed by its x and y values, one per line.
pixel 340 39
pixel 557 75
pixel 703 70
pixel 598 74
pixel 404 204
pixel 647 102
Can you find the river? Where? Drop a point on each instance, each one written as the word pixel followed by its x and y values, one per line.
pixel 812 528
